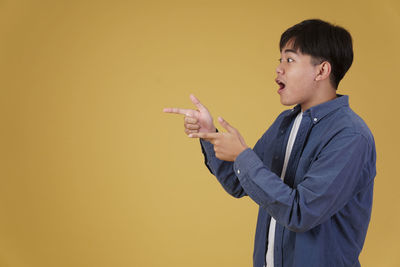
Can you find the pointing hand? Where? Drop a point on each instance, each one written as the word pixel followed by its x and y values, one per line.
pixel 227 145
pixel 195 121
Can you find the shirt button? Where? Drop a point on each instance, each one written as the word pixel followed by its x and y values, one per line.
pixel 315 119
pixel 238 171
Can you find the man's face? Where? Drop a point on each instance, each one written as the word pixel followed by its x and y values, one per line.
pixel 296 78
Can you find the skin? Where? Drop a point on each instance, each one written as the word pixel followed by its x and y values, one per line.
pixel 306 84
pixel 199 124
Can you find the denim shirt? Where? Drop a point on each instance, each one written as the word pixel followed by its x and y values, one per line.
pixel 323 207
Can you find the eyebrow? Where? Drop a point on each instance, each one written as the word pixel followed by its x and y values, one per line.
pixel 290 51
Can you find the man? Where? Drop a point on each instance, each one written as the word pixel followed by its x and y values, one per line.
pixel 312 172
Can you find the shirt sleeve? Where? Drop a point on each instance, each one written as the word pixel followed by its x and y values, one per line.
pixel 223 170
pixel 343 168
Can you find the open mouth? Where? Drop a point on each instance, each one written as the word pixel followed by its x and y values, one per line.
pixel 281 84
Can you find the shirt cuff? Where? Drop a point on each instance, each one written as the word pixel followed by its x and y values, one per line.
pixel 208 148
pixel 245 161
pixel 209 154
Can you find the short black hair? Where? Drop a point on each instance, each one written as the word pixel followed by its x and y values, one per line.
pixel 323 42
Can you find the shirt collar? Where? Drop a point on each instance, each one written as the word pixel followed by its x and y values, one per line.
pixel 319 111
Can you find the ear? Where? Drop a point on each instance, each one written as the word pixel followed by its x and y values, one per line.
pixel 323 71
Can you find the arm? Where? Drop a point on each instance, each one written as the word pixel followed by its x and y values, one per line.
pixel 222 170
pixel 221 164
pixel 332 180
pixel 200 121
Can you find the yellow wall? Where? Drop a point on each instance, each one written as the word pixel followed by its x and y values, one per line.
pixel 93 173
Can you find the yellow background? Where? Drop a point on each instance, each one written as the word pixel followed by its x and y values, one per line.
pixel 94 174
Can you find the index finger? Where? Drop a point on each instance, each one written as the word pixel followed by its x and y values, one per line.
pixel 187 112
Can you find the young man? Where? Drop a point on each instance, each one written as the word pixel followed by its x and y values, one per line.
pixel 312 172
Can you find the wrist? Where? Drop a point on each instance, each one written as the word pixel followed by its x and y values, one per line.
pixel 240 152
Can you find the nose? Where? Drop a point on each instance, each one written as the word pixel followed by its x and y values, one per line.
pixel 279 69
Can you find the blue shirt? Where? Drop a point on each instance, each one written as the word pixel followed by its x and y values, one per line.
pixel 323 206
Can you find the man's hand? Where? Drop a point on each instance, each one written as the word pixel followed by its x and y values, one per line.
pixel 195 121
pixel 227 145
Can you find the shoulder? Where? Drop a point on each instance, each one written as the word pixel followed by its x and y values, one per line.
pixel 350 123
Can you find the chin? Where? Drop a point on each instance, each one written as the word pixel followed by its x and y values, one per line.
pixel 287 102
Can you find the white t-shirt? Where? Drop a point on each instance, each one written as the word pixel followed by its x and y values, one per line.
pixel 289 146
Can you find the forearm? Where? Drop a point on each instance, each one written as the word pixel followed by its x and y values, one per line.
pixel 222 170
pixel 326 188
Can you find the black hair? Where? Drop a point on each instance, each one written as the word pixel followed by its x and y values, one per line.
pixel 323 42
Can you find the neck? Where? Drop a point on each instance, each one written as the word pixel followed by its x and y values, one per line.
pixel 321 95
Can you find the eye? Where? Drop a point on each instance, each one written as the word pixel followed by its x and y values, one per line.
pixel 289 60
pixel 280 60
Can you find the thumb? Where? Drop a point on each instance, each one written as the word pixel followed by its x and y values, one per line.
pixel 226 125
pixel 197 102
